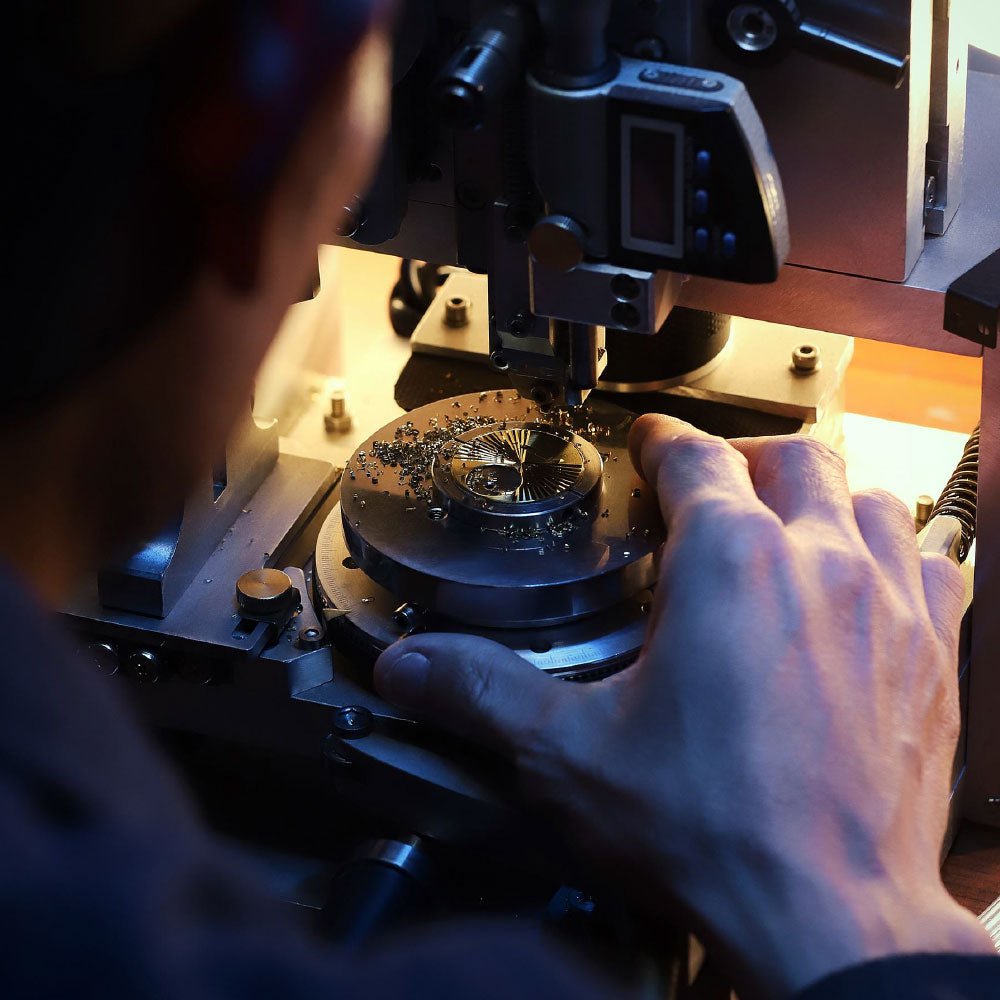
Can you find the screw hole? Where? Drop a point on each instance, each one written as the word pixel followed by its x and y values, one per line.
pixel 541 646
pixel 624 316
pixel 542 394
pixel 349 563
pixel 624 287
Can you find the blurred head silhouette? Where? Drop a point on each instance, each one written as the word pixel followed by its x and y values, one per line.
pixel 177 163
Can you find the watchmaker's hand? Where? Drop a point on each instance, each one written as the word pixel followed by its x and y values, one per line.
pixel 778 761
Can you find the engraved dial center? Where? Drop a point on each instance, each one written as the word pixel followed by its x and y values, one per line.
pixel 516 464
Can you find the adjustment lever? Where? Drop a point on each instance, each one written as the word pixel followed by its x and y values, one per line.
pixel 483 69
pixel 760 32
pixel 851 52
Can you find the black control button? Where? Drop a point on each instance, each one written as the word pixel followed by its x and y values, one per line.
pixel 702 162
pixel 557 242
pixel 701 201
pixel 104 656
pixel 145 666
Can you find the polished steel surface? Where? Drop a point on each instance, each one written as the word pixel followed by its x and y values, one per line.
pixel 752 371
pixel 907 312
pixel 583 549
pixel 659 384
pixel 153 579
pixel 850 148
pixel 363 620
pixel 207 612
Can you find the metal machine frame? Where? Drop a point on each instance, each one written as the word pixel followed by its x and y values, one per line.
pixel 892 167
pixel 904 304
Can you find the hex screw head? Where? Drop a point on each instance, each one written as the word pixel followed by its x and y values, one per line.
pixel 351 722
pixel 338 420
pixel 309 637
pixel 517 326
pixel 805 359
pixel 456 311
pixel 407 617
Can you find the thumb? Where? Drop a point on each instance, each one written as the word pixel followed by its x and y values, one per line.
pixel 944 588
pixel 471 686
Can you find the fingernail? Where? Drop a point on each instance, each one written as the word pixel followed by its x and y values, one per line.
pixel 403 679
pixel 676 425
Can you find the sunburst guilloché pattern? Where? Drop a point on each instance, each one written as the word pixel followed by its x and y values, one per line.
pixel 548 464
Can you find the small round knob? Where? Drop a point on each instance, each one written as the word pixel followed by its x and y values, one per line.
pixel 352 219
pixel 145 666
pixel 265 592
pixel 408 617
pixel 461 104
pixel 104 656
pixel 557 242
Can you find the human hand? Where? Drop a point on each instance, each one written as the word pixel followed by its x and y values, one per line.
pixel 777 762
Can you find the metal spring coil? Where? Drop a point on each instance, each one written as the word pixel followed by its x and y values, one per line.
pixel 958 499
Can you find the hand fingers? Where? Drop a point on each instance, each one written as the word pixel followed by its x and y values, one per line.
pixel 800 479
pixel 944 588
pixel 471 686
pixel 688 467
pixel 886 525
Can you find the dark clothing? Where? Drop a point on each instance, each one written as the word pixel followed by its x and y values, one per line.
pixel 914 977
pixel 110 887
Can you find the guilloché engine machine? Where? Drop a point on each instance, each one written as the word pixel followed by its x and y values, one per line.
pixel 603 208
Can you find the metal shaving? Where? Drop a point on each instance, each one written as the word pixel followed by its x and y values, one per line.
pixel 410 454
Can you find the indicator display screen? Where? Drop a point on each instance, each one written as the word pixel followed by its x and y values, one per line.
pixel 652 182
pixel 652 185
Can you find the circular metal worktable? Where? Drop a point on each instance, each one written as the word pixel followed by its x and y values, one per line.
pixel 364 620
pixel 491 512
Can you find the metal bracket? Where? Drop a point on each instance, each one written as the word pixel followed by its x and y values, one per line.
pixel 603 295
pixel 310 630
pixel 972 303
